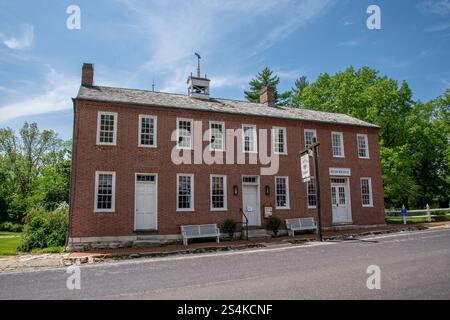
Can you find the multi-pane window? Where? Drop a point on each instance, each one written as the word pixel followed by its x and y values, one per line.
pixel 248 180
pixel 282 192
pixel 312 193
pixel 217 136
pixel 366 192
pixel 184 133
pixel 363 146
pixel 310 134
pixel 104 191
pixel 218 192
pixel 107 128
pixel 249 138
pixel 337 143
pixel 185 192
pixel 147 131
pixel 279 140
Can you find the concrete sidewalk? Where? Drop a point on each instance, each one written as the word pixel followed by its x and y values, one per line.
pixel 32 262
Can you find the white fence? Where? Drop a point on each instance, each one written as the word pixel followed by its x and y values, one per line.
pixel 427 213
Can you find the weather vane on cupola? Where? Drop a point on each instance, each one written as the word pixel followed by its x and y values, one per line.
pixel 198 64
pixel 198 87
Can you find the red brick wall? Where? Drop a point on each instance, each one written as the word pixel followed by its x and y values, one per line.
pixel 126 159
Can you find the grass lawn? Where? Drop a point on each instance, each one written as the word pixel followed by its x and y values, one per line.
pixel 9 241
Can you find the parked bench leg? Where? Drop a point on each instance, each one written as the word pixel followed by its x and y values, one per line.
pixel 185 241
pixel 218 239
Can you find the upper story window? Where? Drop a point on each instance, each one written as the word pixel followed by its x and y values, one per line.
pixel 218 193
pixel 107 128
pixel 185 133
pixel 105 185
pixel 363 146
pixel 185 192
pixel 366 192
pixel 249 137
pixel 279 140
pixel 217 136
pixel 147 131
pixel 310 134
pixel 337 143
pixel 282 192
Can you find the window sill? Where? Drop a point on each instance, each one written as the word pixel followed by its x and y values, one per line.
pixel 104 211
pixel 218 210
pixel 186 210
pixel 282 208
pixel 368 206
pixel 105 144
pixel 312 207
pixel 147 147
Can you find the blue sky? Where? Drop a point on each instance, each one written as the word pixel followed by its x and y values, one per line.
pixel 133 42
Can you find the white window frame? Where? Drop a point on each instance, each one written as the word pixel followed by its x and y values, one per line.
pixel 225 196
pixel 275 137
pixel 304 135
pixel 192 208
pixel 313 180
pixel 191 147
pixel 341 135
pixel 155 131
pixel 113 196
pixel 288 206
pixel 366 139
pixel 116 119
pixel 255 138
pixel 370 205
pixel 223 135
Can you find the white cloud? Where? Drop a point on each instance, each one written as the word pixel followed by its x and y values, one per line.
pixel 58 90
pixel 299 14
pixel 438 28
pixel 351 43
pixel 441 7
pixel 19 43
pixel 235 29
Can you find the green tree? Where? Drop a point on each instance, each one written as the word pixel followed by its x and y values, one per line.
pixel 266 78
pixel 25 156
pixel 300 84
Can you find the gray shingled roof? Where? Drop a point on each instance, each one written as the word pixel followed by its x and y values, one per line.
pixel 170 100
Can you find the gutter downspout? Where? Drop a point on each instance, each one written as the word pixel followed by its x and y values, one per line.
pixel 72 185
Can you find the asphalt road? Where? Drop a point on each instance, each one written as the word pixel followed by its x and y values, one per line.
pixel 413 266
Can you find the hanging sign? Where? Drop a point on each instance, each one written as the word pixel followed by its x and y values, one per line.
pixel 304 162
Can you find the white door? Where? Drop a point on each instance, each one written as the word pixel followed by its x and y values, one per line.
pixel 146 208
pixel 340 202
pixel 251 204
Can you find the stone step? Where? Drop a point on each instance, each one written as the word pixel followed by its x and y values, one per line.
pixel 257 234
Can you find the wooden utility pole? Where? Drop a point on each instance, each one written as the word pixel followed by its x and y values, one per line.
pixel 314 148
pixel 317 178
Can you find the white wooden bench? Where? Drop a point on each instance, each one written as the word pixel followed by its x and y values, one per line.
pixel 300 224
pixel 200 231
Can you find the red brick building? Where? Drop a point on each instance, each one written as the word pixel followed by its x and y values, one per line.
pixel 129 182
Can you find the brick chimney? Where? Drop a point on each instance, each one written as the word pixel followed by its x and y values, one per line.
pixel 267 96
pixel 87 75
